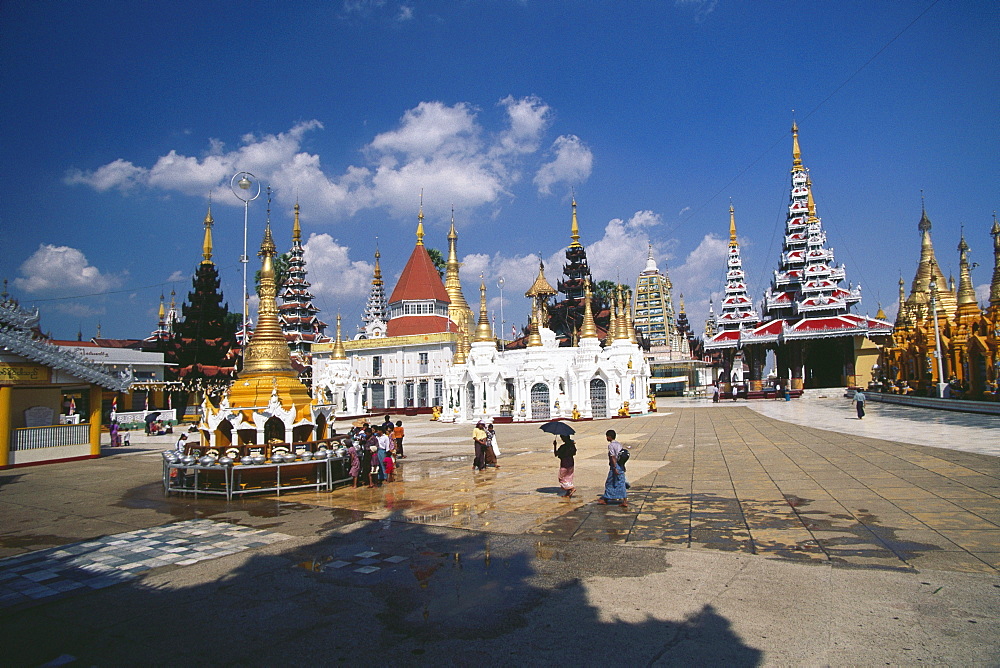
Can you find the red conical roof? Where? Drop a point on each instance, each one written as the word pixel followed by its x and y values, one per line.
pixel 420 279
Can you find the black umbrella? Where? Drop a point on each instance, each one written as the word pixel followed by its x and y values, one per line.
pixel 558 428
pixel 152 416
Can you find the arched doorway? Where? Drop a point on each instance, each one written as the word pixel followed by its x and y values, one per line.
pixel 320 428
pixel 274 429
pixel 540 402
pixel 598 398
pixel 470 399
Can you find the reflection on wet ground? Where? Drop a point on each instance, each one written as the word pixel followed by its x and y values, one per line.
pixel 720 479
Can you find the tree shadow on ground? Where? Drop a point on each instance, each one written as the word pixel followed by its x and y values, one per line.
pixel 386 592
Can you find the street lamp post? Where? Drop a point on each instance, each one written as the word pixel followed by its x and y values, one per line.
pixel 243 186
pixel 503 323
pixel 937 339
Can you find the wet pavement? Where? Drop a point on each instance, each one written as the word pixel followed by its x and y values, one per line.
pixel 739 525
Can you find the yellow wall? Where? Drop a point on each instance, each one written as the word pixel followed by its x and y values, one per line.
pixel 866 355
pixel 24 398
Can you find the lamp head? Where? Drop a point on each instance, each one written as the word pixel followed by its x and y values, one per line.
pixel 244 183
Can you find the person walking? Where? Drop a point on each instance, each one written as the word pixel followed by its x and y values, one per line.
pixel 859 403
pixel 615 487
pixel 492 450
pixel 715 393
pixel 566 452
pixel 479 440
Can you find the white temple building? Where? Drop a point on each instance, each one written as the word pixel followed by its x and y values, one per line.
pixel 430 357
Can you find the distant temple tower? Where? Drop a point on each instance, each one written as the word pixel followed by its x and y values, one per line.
pixel 737 310
pixel 918 304
pixel 376 312
pixel 654 308
pixel 459 310
pixel 297 314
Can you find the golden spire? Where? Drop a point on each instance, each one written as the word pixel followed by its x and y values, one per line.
pixel 534 337
pixel 460 356
pixel 682 303
pixel 629 321
pixel 966 291
pixel 810 202
pixel 458 309
pixel 541 287
pixel 206 246
pixel 881 314
pixel 296 228
pixel 575 228
pixel 338 345
pixel 796 153
pixel 420 221
pixel 163 313
pixel 927 270
pixel 995 283
pixel 173 294
pixel 483 330
pixel 589 328
pixel 377 278
pixel 901 314
pixel 732 226
pixel 267 353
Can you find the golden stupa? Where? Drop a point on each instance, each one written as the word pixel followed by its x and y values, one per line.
pixel 267 374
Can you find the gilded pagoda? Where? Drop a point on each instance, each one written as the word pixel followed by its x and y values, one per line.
pixel 969 335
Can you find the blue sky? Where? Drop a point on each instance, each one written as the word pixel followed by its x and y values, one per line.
pixel 121 118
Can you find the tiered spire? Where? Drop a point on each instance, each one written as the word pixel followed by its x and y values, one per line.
pixel 807 283
pixel 484 333
pixel 206 246
pixel 458 310
pixel 966 291
pixel 376 311
pixel 917 304
pixel 297 314
pixel 267 352
pixel 654 308
pixel 589 328
pixel 736 309
pixel 338 353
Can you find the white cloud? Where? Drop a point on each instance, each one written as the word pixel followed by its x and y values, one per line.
pixel 621 254
pixel 62 271
pixel 177 276
pixel 702 8
pixel 572 163
pixel 119 173
pixel 983 293
pixel 441 149
pixel 700 277
pixel 331 271
pixel 405 13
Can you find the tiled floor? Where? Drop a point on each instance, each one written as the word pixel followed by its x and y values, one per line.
pixel 106 561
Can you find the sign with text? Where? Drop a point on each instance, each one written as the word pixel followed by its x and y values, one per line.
pixel 23 374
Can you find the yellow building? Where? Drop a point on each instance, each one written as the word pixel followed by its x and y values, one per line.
pixel 50 397
pixel 969 335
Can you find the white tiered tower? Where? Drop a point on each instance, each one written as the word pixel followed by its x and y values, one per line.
pixel 737 309
pixel 806 283
pixel 376 313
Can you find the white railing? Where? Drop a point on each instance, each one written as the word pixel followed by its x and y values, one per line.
pixel 129 417
pixel 31 438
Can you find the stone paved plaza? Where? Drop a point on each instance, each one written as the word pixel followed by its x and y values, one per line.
pixel 745 521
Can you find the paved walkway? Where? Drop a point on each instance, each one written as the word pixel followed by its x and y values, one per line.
pixel 722 494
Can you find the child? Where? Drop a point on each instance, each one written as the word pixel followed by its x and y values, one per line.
pixel 390 468
pixel 397 435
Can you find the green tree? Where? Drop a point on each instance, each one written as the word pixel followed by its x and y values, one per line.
pixel 438 260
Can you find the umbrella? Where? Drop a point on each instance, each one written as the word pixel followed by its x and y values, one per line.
pixel 151 417
pixel 558 428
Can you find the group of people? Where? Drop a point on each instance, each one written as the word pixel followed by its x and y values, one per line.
pixel 374 451
pixel 615 486
pixel 487 447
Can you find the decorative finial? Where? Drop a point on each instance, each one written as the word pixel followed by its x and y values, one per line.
pixel 206 246
pixel 420 220
pixel 732 226
pixel 575 227
pixel 796 152
pixel 296 228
